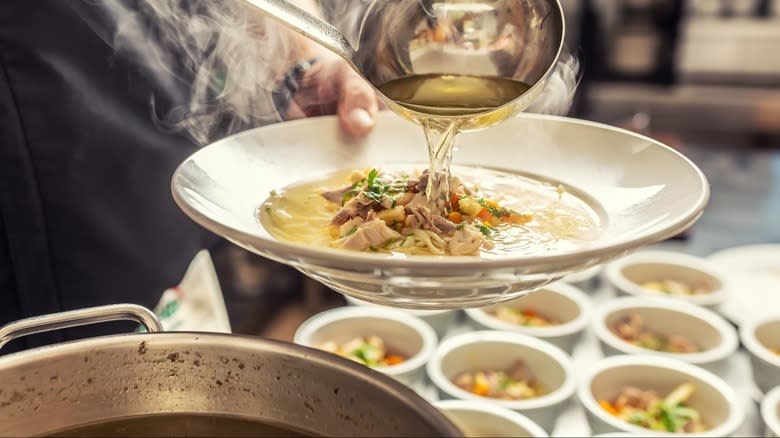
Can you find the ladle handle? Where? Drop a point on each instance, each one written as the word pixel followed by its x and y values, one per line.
pixel 75 318
pixel 307 24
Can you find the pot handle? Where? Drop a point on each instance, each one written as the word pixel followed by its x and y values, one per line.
pixel 75 318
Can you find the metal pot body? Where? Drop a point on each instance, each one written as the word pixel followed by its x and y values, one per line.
pixel 73 384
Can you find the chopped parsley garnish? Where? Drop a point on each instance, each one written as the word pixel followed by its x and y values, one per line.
pixel 486 230
pixel 460 226
pixel 352 231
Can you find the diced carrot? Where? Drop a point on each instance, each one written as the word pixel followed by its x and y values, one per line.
pixel 530 313
pixel 485 215
pixel 493 204
pixel 607 406
pixel 455 216
pixel 393 359
pixel 481 389
pixel 518 218
pixel 454 201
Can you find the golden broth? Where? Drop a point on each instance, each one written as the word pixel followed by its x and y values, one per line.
pixel 561 220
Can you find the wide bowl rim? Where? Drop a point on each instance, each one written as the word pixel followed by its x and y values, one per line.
pixel 729 338
pixel 308 328
pixel 747 334
pixel 769 410
pixel 614 273
pixel 559 395
pixel 499 411
pixel 470 263
pixel 568 291
pixel 735 416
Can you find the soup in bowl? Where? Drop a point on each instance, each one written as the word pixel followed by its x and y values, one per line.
pixel 657 395
pixel 667 274
pixel 557 313
pixel 511 370
pixel 608 176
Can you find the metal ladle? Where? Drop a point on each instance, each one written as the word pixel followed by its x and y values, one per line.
pixel 511 39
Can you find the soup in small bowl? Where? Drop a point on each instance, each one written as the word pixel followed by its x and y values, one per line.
pixel 652 394
pixel 761 338
pixel 482 365
pixel 558 313
pixel 638 325
pixel 392 342
pixel 667 274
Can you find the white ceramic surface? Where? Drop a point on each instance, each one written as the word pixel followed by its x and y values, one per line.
pixel 624 275
pixel 757 336
pixel 401 332
pixel 715 400
pixel 754 271
pixel 615 171
pixel 559 301
pixel 482 419
pixel 439 320
pixel 710 331
pixel 495 350
pixel 770 413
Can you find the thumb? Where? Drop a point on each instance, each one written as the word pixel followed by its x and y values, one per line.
pixel 357 106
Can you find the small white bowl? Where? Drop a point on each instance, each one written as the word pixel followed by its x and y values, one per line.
pixel 757 336
pixel 403 333
pixel 627 273
pixel 560 301
pixel 770 412
pixel 482 419
pixel 710 331
pixel 713 398
pixel 494 350
pixel 439 320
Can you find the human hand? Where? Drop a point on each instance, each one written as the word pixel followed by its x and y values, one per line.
pixel 330 86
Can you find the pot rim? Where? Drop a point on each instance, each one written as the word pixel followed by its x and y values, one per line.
pixel 191 340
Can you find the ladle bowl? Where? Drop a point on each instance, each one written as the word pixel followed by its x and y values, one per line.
pixel 505 39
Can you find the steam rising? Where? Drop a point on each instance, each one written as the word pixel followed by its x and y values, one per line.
pixel 220 60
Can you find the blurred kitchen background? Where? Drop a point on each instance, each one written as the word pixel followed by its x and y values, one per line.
pixel 702 76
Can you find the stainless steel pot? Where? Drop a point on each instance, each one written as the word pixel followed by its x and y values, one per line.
pixel 69 385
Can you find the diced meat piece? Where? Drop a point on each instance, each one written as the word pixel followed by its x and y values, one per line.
pixel 419 200
pixel 629 327
pixel 370 234
pixel 349 225
pixel 466 241
pixel 359 206
pixel 422 182
pixel 363 199
pixel 520 372
pixel 336 195
pixel 632 397
pixel 420 217
pixel 443 225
